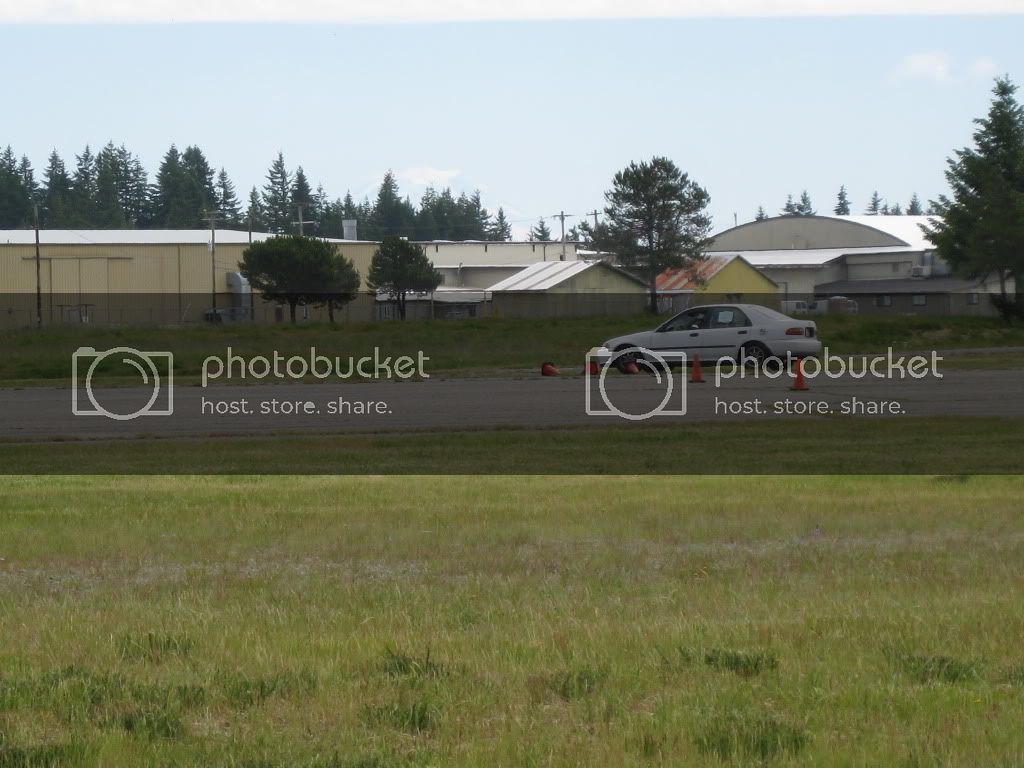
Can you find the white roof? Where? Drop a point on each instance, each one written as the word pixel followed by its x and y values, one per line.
pixel 809 257
pixel 905 228
pixel 132 237
pixel 543 275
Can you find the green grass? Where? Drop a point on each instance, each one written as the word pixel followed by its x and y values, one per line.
pixel 464 345
pixel 322 622
pixel 955 446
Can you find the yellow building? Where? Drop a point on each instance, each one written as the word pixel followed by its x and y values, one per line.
pixel 718 278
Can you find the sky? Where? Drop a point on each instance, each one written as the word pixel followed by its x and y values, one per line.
pixel 538 112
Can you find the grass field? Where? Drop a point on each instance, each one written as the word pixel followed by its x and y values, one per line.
pixel 836 445
pixel 266 622
pixel 464 345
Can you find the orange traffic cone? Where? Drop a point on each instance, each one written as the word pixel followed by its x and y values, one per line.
pixel 548 369
pixel 695 375
pixel 631 368
pixel 799 384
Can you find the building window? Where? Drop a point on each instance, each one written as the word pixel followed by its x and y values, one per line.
pixel 883 301
pixel 919 300
pixel 972 298
pixel 895 267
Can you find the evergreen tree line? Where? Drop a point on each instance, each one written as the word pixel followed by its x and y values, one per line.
pixel 876 207
pixel 111 189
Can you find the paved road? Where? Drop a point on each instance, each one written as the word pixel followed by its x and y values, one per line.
pixel 458 404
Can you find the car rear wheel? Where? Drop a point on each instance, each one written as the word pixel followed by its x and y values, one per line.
pixel 758 356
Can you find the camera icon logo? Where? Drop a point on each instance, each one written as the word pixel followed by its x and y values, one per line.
pixel 614 400
pixel 155 368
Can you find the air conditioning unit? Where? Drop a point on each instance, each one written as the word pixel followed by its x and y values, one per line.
pixel 921 271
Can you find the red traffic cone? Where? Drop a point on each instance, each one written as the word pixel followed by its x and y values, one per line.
pixel 695 375
pixel 591 368
pixel 799 384
pixel 631 368
pixel 548 369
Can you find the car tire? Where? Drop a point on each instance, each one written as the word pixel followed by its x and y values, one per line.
pixel 624 356
pixel 757 355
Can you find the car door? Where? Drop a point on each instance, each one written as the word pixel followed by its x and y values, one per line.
pixel 683 333
pixel 729 328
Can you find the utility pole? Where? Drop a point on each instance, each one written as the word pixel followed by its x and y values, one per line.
pixel 39 280
pixel 300 222
pixel 212 217
pixel 594 213
pixel 562 216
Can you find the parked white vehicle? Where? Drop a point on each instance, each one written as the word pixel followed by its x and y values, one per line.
pixel 747 332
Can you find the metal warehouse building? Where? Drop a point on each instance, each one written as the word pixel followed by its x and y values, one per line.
pixel 178 276
pixel 885 263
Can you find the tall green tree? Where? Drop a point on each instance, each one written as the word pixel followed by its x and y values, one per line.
pixel 293 270
pixel 981 226
pixel 500 229
pixel 15 200
pixel 302 195
pixel 391 215
pixel 761 215
pixel 194 163
pixel 277 197
pixel 56 193
pixel 256 219
pixel 875 206
pixel 657 218
pixel 228 205
pixel 400 267
pixel 914 208
pixel 540 232
pixel 842 203
pixel 110 213
pixel 804 207
pixel 178 199
pixel 83 191
pixel 790 208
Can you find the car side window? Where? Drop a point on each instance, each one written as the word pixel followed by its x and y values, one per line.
pixel 729 317
pixel 693 320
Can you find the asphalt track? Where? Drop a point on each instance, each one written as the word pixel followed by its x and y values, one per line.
pixel 503 401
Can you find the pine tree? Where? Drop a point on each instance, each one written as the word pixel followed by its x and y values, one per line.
pixel 895 210
pixel 28 179
pixel 790 208
pixel 804 207
pixel 82 212
pixel 15 201
pixel 109 175
pixel 177 197
pixel 981 230
pixel 254 213
pixel 914 208
pixel 842 203
pixel 302 196
pixel 500 228
pixel 277 196
pixel 875 206
pixel 56 193
pixel 195 165
pixel 228 205
pixel 541 232
pixel 761 215
pixel 392 216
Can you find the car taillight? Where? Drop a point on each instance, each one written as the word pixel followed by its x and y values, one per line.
pixel 794 331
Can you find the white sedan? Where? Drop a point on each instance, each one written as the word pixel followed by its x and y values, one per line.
pixel 743 332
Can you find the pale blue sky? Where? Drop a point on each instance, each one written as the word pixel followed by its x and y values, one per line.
pixel 536 114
